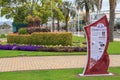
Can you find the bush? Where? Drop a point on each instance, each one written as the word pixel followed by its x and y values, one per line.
pixel 42 38
pixel 32 30
pixel 22 31
pixel 37 21
pixel 19 39
pixel 63 49
pixel 37 29
pixel 2 36
pixel 47 38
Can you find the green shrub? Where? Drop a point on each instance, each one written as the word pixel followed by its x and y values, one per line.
pixel 19 39
pixel 2 36
pixel 37 38
pixel 37 29
pixel 25 39
pixel 22 31
pixel 13 39
pixel 42 38
pixel 48 38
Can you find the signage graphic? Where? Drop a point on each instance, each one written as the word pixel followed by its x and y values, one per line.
pixel 97 35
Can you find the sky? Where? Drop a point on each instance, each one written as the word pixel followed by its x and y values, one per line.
pixel 105 6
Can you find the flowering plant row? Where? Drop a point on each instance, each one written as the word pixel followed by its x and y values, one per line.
pixel 20 47
pixel 43 48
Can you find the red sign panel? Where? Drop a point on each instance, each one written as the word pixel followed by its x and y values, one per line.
pixel 97 35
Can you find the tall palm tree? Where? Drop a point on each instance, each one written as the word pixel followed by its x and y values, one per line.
pixel 73 14
pixel 60 16
pixel 112 4
pixel 66 10
pixel 87 5
pixel 98 5
pixel 56 12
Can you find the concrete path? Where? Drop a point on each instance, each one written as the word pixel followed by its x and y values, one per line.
pixel 48 62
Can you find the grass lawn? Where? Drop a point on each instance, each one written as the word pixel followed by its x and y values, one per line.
pixel 114 47
pixel 78 39
pixel 65 74
pixel 11 53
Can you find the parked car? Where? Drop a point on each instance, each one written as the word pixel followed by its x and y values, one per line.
pixel 117 24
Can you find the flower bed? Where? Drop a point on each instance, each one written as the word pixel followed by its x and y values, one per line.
pixel 63 49
pixel 43 48
pixel 20 47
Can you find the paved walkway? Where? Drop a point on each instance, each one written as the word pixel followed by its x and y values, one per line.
pixel 48 62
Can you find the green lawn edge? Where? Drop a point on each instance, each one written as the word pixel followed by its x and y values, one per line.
pixel 13 53
pixel 59 74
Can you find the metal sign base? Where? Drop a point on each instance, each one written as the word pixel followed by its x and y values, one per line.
pixel 110 74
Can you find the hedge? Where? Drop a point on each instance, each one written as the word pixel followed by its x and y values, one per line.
pixel 19 39
pixel 42 38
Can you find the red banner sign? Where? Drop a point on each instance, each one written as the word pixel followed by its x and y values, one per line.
pixel 97 35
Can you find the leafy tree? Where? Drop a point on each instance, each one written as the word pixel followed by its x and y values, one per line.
pixel 23 8
pixel 43 12
pixel 56 12
pixel 14 9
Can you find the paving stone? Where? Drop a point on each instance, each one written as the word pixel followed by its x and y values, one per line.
pixel 48 62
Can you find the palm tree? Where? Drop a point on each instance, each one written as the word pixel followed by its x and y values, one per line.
pixel 98 5
pixel 56 13
pixel 66 10
pixel 112 4
pixel 73 14
pixel 87 5
pixel 59 16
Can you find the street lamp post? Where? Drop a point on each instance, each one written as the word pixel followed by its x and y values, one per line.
pixel 51 17
pixel 78 22
pixel 0 11
pixel 77 10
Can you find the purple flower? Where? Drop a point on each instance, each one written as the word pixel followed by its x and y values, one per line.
pixel 29 48
pixel 15 47
pixel 7 47
pixel 22 47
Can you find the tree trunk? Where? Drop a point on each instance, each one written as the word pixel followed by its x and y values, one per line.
pixel 87 17
pixel 87 14
pixel 66 20
pixel 112 4
pixel 66 23
pixel 53 21
pixel 58 25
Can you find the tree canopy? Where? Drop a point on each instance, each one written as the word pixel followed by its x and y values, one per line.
pixel 19 10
